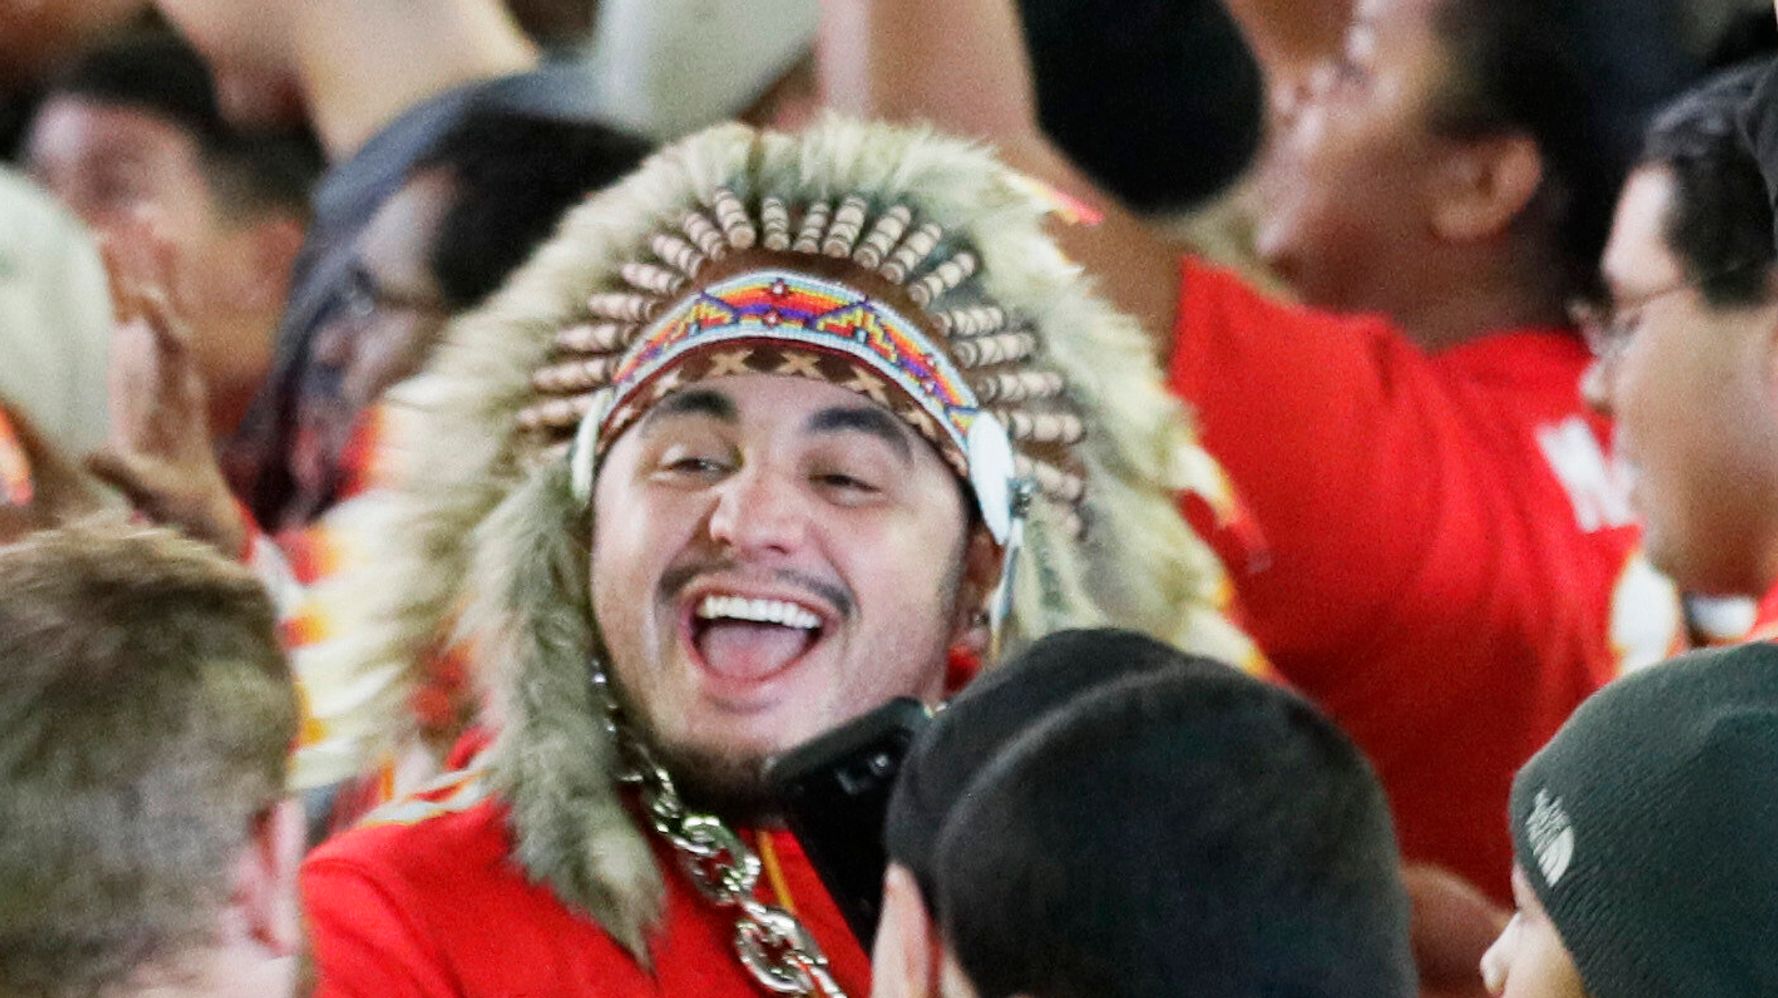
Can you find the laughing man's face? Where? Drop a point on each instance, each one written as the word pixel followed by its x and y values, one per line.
pixel 773 556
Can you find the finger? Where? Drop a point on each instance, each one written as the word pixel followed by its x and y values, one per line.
pixel 60 490
pixel 172 334
pixel 148 259
pixel 131 475
pixel 165 255
pixel 130 257
pixel 159 255
pixel 123 285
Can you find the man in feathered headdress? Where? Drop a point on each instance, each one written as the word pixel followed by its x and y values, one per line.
pixel 778 429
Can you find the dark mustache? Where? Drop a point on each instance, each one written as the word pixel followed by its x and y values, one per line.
pixel 674 580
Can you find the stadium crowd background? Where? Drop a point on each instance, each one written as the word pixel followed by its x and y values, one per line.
pixel 1442 335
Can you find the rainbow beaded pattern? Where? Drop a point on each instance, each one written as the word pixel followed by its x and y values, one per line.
pixel 781 322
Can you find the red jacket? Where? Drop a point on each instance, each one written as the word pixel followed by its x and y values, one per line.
pixel 1450 565
pixel 426 899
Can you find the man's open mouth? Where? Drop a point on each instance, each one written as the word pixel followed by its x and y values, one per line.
pixel 751 638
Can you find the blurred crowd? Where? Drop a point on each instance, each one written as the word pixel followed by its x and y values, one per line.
pixel 1308 470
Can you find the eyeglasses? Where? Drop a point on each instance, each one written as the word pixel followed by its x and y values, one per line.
pixel 1608 327
pixel 363 296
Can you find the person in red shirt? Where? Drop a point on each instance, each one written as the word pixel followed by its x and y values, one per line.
pixel 742 454
pixel 1446 560
pixel 1687 360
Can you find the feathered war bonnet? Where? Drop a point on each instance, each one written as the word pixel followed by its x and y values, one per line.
pixel 483 514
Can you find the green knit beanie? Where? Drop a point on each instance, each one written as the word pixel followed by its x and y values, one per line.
pixel 1649 829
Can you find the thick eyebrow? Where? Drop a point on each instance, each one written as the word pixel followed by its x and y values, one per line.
pixel 693 402
pixel 867 419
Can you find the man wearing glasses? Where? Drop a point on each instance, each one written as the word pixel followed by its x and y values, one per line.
pixel 1687 352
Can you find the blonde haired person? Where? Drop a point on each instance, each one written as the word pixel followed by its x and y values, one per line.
pixel 146 716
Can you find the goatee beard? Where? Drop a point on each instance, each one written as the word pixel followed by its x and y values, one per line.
pixel 732 787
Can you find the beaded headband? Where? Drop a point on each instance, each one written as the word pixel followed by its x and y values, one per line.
pixel 773 322
pixel 731 295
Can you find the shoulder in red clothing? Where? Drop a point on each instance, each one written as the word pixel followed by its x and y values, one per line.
pixel 402 906
pixel 15 468
pixel 1432 522
pixel 438 827
pixel 1765 622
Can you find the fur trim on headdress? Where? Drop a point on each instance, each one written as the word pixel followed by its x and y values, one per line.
pixel 472 521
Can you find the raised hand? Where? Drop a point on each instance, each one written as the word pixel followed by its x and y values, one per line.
pixel 160 454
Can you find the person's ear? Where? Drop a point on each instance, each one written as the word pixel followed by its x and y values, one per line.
pixel 982 562
pixel 905 958
pixel 265 879
pixel 1484 186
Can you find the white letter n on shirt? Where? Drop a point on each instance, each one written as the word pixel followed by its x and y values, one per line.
pixel 1596 484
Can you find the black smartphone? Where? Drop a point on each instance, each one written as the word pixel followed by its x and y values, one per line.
pixel 834 790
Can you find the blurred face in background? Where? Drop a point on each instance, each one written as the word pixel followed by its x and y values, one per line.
pixel 389 316
pixel 1694 390
pixel 1345 182
pixel 113 165
pixel 108 161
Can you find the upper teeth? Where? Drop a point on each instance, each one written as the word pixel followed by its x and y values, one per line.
pixel 762 611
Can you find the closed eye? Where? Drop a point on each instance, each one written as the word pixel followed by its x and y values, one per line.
pixel 685 464
pixel 844 482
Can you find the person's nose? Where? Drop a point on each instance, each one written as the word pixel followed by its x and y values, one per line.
pixel 760 510
pixel 1496 960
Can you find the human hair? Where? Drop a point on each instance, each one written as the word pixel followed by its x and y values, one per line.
pixel 1580 79
pixel 995 708
pixel 1719 221
pixel 1176 835
pixel 157 73
pixel 146 719
pixel 514 174
pixel 1163 103
pixel 555 24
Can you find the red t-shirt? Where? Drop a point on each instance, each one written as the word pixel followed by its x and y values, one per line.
pixel 1765 621
pixel 1450 564
pixel 426 899
pixel 15 468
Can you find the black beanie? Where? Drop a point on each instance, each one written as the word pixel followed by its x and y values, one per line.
pixel 1649 829
pixel 997 708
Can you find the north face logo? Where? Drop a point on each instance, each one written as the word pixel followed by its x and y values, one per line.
pixel 1551 835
